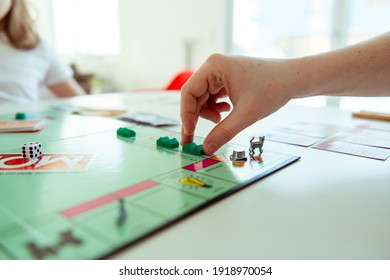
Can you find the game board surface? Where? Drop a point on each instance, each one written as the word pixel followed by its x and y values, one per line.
pixel 92 193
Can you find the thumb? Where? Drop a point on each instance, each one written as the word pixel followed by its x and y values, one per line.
pixel 225 131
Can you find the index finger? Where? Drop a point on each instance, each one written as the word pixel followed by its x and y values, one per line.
pixel 190 92
pixel 194 96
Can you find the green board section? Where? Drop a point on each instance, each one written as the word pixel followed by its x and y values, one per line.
pixel 93 192
pixel 59 125
pixel 3 256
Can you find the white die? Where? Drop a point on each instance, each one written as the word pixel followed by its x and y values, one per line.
pixel 32 150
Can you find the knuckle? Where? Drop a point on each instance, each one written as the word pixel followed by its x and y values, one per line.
pixel 215 57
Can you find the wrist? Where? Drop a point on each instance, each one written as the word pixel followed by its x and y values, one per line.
pixel 297 78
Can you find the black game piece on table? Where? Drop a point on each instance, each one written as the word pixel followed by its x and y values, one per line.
pixel 122 212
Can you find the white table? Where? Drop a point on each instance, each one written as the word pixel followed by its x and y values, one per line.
pixel 326 206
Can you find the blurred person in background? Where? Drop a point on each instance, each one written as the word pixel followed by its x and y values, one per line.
pixel 27 63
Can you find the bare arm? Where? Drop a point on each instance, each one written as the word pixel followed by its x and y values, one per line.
pixel 66 88
pixel 259 87
pixel 358 70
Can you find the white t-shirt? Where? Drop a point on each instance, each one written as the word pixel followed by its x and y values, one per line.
pixel 24 72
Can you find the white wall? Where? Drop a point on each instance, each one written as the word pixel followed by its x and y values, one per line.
pixel 153 38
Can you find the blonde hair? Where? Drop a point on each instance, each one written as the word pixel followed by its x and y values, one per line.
pixel 19 28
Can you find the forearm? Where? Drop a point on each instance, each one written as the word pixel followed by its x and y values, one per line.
pixel 68 88
pixel 359 70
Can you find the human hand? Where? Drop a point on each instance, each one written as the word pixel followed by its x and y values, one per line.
pixel 255 88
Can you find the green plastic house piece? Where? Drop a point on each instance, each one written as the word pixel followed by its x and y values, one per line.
pixel 193 149
pixel 162 141
pixel 125 132
pixel 198 150
pixel 20 116
pixel 172 143
pixel 166 142
pixel 187 148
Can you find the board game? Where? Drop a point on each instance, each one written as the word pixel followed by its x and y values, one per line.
pixel 92 192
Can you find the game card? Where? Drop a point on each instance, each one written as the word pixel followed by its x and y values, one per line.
pixel 374 133
pixel 335 145
pixel 376 125
pixel 303 133
pixel 146 118
pixel 299 140
pixel 361 139
pixel 311 129
pixel 84 111
pixel 21 126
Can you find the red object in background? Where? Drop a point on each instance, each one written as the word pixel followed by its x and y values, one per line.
pixel 179 80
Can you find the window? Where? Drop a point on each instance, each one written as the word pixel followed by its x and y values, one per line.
pixel 281 28
pixel 86 27
pixel 285 29
pixel 367 18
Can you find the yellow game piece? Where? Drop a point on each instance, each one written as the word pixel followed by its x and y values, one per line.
pixel 193 182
